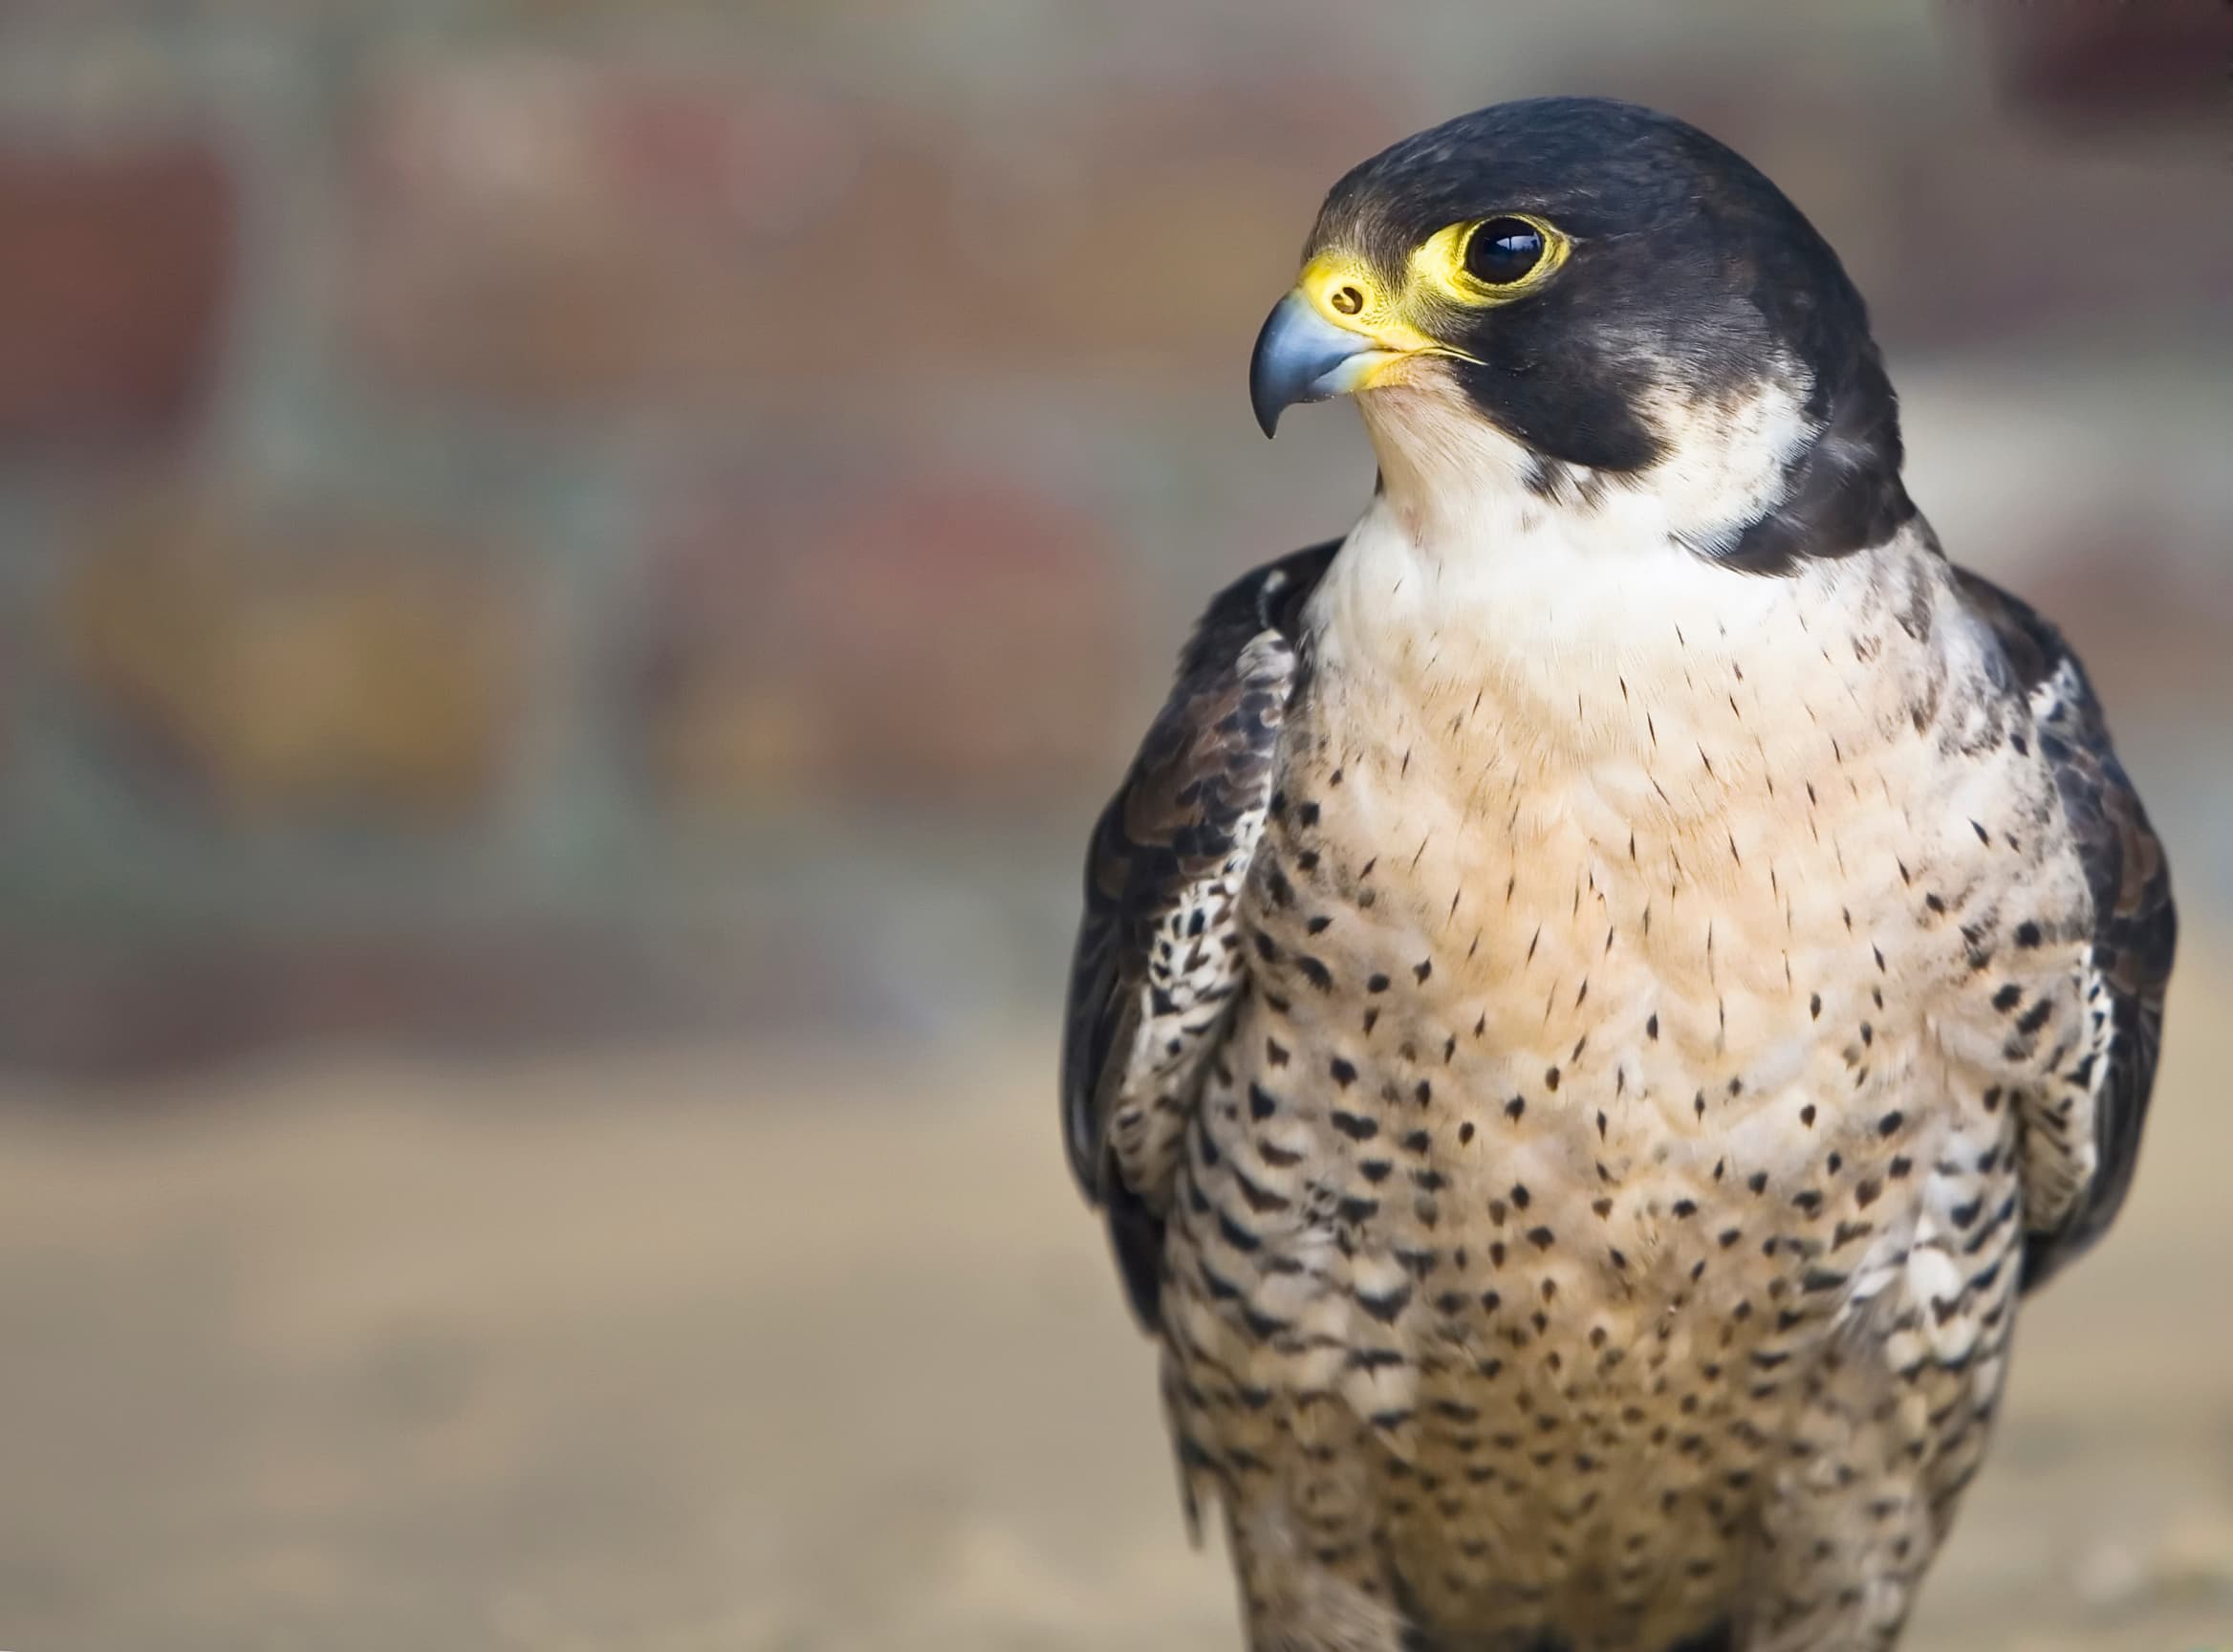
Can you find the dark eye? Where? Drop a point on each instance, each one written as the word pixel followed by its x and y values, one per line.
pixel 1502 251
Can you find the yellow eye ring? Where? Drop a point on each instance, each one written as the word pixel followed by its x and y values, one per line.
pixel 1449 260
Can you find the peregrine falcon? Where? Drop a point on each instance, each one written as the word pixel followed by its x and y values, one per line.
pixel 1604 987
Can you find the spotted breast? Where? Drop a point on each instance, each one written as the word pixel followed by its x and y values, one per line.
pixel 1605 1190
pixel 1602 990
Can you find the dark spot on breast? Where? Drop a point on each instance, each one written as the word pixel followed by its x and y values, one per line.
pixel 1344 1072
pixel 1375 983
pixel 1354 1126
pixel 1516 1106
pixel 1386 1308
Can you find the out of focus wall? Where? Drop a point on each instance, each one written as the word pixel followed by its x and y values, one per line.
pixel 530 519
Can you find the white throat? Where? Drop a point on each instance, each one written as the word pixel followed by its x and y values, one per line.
pixel 1577 625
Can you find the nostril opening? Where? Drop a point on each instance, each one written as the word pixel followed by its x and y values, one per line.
pixel 1348 300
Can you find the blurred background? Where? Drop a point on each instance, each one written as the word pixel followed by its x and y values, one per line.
pixel 572 572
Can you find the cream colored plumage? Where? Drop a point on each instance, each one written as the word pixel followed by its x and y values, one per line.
pixel 1583 1043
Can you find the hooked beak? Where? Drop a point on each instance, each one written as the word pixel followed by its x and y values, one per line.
pixel 1302 357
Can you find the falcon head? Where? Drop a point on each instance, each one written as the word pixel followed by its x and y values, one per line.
pixel 1573 293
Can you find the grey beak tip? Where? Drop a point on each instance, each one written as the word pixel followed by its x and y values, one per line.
pixel 1268 396
pixel 1294 353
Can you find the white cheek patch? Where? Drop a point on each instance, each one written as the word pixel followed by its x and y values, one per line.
pixel 1452 475
pixel 1728 461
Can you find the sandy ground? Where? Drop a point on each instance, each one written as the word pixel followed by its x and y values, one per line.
pixel 736 1352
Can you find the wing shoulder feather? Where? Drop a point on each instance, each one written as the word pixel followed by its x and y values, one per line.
pixel 2134 924
pixel 1158 959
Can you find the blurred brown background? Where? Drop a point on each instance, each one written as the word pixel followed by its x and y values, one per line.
pixel 571 575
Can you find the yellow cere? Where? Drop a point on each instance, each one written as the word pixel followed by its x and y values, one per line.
pixel 1350 294
pixel 1355 296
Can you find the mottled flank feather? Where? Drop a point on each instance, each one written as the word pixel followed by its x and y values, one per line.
pixel 1157 955
pixel 2133 931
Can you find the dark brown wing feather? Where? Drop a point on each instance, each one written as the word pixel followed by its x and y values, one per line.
pixel 1161 872
pixel 2135 926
